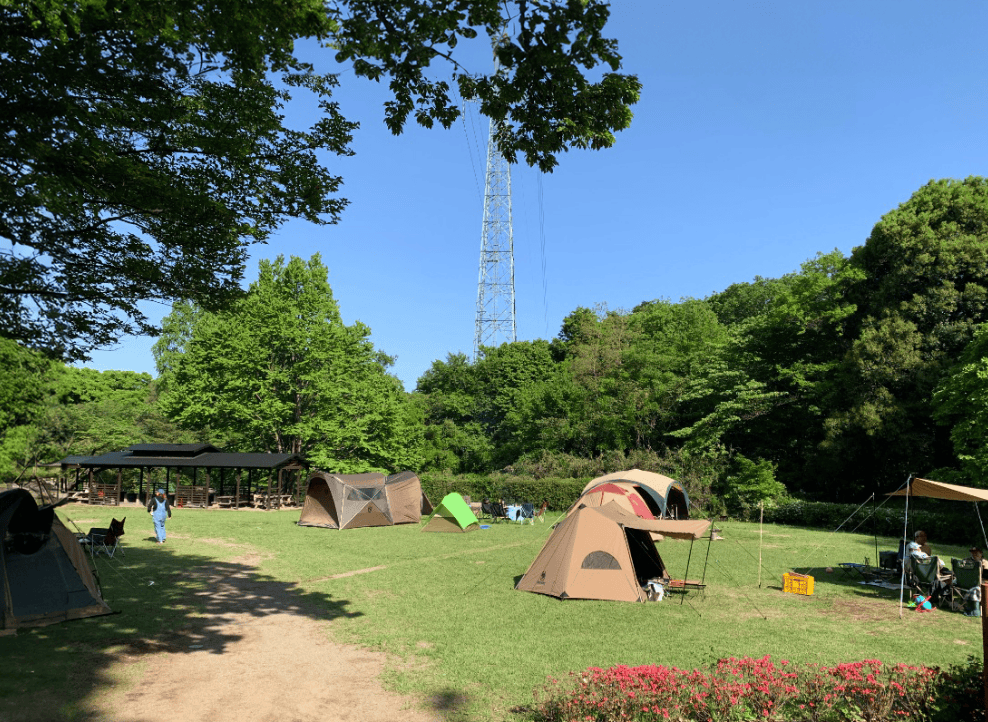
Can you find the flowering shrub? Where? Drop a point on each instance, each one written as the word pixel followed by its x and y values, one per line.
pixel 739 690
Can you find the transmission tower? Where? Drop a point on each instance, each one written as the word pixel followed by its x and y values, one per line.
pixel 496 287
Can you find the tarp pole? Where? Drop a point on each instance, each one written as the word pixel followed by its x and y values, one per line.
pixel 686 576
pixel 761 534
pixel 874 530
pixel 905 529
pixel 710 539
pixel 982 524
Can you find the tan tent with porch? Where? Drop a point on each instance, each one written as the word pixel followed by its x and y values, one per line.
pixel 604 552
pixel 348 501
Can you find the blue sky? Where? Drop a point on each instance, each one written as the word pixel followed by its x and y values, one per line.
pixel 767 132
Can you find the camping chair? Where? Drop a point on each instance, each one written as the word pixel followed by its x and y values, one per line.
pixel 527 513
pixel 106 541
pixel 498 512
pixel 966 589
pixel 927 579
pixel 540 512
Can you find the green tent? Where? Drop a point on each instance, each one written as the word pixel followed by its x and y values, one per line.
pixel 452 514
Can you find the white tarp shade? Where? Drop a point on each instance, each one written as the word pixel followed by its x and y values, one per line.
pixel 940 490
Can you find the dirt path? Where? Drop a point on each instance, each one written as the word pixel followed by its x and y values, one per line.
pixel 240 662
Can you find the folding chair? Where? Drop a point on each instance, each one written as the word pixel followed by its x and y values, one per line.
pixel 927 579
pixel 527 512
pixel 966 589
pixel 106 541
pixel 498 512
pixel 540 512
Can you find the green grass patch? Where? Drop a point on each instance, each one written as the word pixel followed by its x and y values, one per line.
pixel 444 607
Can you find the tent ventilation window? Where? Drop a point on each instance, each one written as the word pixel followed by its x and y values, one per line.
pixel 600 560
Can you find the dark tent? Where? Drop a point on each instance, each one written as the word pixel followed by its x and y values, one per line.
pixel 45 574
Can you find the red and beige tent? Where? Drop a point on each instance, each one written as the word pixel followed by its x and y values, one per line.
pixel 604 552
pixel 621 492
pixel 666 498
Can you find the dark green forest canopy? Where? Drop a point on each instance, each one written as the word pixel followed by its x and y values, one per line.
pixel 826 374
pixel 146 149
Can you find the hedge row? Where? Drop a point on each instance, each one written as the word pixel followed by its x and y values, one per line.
pixel 944 522
pixel 559 493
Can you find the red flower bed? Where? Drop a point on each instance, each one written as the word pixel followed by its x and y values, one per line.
pixel 742 689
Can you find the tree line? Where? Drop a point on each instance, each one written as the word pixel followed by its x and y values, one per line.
pixel 831 382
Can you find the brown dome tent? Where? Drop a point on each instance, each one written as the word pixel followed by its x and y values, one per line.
pixel 666 498
pixel 348 501
pixel 603 552
pixel 44 573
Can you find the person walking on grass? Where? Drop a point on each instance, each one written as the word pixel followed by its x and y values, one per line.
pixel 159 510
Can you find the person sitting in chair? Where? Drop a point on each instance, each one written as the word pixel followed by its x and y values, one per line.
pixel 979 560
pixel 919 548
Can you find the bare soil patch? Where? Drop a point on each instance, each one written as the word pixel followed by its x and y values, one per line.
pixel 255 653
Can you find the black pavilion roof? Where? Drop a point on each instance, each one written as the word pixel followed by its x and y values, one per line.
pixel 202 456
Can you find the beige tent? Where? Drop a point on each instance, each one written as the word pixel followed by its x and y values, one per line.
pixel 603 552
pixel 347 501
pixel 665 497
pixel 45 576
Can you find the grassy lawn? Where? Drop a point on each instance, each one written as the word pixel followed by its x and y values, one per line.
pixel 444 608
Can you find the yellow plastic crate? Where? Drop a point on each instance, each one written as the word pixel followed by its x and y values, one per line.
pixel 797 584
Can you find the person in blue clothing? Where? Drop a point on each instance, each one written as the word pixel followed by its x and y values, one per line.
pixel 159 510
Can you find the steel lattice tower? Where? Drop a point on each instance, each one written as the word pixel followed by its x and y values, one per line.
pixel 496 287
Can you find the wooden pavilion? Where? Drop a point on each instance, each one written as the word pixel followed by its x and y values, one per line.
pixel 194 475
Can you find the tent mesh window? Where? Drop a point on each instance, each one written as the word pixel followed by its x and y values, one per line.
pixel 599 560
pixel 365 493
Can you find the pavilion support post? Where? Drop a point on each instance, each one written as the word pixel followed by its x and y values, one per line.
pixel 236 497
pixel 280 487
pixel 119 487
pixel 209 483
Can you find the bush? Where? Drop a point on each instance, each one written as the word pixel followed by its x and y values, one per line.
pixel 559 493
pixel 742 689
pixel 960 693
pixel 944 522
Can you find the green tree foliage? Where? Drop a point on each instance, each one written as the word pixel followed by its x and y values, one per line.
pixel 146 149
pixel 922 291
pixel 81 411
pixel 280 372
pixel 23 378
pixel 764 392
pixel 960 402
pixel 750 483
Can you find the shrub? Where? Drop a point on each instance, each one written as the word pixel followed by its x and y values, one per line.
pixel 559 493
pixel 741 689
pixel 948 523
